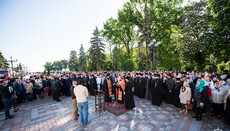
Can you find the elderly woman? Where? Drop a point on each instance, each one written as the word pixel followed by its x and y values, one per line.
pixel 29 90
pixel 185 96
pixel 218 96
pixel 199 99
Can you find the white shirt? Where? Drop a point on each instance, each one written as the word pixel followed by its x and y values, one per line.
pixel 218 96
pixel 81 93
pixel 99 80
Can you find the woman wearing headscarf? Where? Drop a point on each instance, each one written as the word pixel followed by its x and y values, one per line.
pixel 185 96
pixel 199 99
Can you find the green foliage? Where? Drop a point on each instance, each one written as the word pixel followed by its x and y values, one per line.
pixel 82 59
pixel 3 62
pixel 73 61
pixel 223 66
pixel 48 68
pixel 220 23
pixel 57 66
pixel 194 37
pixel 126 62
pixel 96 51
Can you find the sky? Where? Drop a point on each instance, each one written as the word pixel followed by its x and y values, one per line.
pixel 37 31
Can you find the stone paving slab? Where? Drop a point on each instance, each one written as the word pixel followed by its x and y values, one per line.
pixel 48 115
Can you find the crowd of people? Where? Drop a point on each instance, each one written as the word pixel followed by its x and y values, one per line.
pixel 205 93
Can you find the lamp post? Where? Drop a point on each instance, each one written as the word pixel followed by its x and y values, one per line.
pixel 12 66
pixel 153 45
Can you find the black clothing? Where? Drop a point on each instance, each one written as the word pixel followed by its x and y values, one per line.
pixel 72 92
pixel 176 93
pixel 168 96
pixel 136 85
pixel 157 91
pixel 4 92
pixel 218 109
pixel 129 100
pixel 141 87
pixel 198 98
pixel 92 86
pixel 148 94
pixel 227 111
pixel 68 84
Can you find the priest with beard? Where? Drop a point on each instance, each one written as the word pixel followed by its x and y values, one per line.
pixel 176 92
pixel 169 84
pixel 141 87
pixel 156 88
pixel 107 87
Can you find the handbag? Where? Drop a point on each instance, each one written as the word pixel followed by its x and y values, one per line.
pixel 189 106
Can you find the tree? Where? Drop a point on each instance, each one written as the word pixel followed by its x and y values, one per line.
pixel 96 51
pixel 219 45
pixel 57 66
pixel 194 47
pixel 48 67
pixel 64 64
pixel 73 61
pixel 82 59
pixel 121 30
pixel 116 55
pixel 3 62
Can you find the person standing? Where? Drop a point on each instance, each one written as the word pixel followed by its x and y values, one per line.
pixel 169 83
pixel 74 100
pixel 29 90
pixel 129 100
pixel 81 94
pixel 136 84
pixel 57 90
pixel 148 95
pixel 142 87
pixel 199 99
pixel 6 97
pixel 185 96
pixel 107 87
pixel 218 96
pixel 120 90
pixel 157 90
pixel 92 85
pixel 176 92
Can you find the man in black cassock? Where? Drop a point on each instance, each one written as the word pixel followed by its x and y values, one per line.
pixel 92 85
pixel 141 87
pixel 169 84
pixel 129 100
pixel 68 84
pixel 156 88
pixel 148 94
pixel 176 92
pixel 136 83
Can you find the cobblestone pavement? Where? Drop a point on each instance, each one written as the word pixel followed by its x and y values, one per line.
pixel 48 115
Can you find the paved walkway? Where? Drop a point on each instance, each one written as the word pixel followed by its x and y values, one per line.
pixel 46 115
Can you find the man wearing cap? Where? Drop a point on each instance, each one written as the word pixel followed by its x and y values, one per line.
pixel 169 84
pixel 176 92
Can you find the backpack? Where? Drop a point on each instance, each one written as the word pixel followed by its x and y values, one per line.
pixel 209 91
